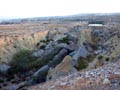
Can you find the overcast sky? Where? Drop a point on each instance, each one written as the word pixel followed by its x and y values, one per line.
pixel 38 8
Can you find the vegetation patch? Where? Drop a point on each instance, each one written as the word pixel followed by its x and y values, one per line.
pixel 107 59
pixel 64 40
pixel 100 57
pixel 81 64
pixel 1 81
pixel 22 59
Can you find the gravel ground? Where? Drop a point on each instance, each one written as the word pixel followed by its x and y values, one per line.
pixel 104 78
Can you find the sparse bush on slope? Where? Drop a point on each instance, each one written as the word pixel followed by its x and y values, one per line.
pixel 22 59
pixel 81 64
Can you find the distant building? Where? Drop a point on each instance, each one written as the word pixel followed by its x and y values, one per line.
pixel 96 26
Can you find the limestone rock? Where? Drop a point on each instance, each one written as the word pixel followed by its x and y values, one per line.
pixel 58 58
pixel 85 35
pixel 44 68
pixel 117 72
pixel 4 68
pixel 40 75
pixel 106 81
pixel 38 53
pixel 64 68
pixel 81 52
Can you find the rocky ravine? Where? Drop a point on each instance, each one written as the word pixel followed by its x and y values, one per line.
pixel 62 55
pixel 106 77
pixel 97 47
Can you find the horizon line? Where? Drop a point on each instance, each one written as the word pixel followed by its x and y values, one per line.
pixel 2 18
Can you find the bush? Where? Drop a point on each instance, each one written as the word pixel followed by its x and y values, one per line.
pixel 100 57
pixel 1 81
pixel 100 60
pixel 22 59
pixel 64 40
pixel 42 46
pixel 107 59
pixel 81 64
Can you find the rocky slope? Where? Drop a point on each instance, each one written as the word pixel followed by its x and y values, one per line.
pixel 70 57
pixel 106 77
pixel 14 37
pixel 97 48
pixel 11 44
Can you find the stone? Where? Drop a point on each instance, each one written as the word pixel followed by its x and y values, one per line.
pixel 40 75
pixel 38 53
pixel 72 53
pixel 12 87
pixel 42 69
pixel 4 68
pixel 72 46
pixel 64 68
pixel 58 58
pixel 106 81
pixel 117 72
pixel 81 52
pixel 22 84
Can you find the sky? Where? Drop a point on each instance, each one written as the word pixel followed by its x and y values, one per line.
pixel 42 8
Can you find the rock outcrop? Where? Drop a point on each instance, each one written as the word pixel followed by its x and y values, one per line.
pixel 102 78
pixel 64 68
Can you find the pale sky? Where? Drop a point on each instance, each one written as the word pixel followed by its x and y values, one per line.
pixel 39 8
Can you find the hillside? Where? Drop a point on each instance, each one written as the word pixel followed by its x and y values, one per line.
pixel 104 78
pixel 60 54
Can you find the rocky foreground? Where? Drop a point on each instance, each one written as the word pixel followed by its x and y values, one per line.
pixel 102 78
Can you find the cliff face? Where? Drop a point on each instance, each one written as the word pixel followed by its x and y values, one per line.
pixel 11 44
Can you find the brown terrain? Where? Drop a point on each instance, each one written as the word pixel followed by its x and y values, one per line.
pixel 17 36
pixel 69 53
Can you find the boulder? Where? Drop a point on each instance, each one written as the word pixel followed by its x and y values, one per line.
pixel 40 75
pixel 72 46
pixel 85 35
pixel 56 34
pixel 41 70
pixel 72 53
pixel 106 81
pixel 45 58
pixel 4 68
pixel 81 52
pixel 38 53
pixel 58 58
pixel 64 68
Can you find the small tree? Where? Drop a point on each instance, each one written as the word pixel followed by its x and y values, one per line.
pixel 22 59
pixel 107 59
pixel 81 64
pixel 100 57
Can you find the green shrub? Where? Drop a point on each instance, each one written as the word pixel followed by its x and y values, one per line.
pixel 64 40
pixel 100 57
pixel 107 59
pixel 42 46
pixel 81 64
pixel 100 60
pixel 22 59
pixel 1 81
